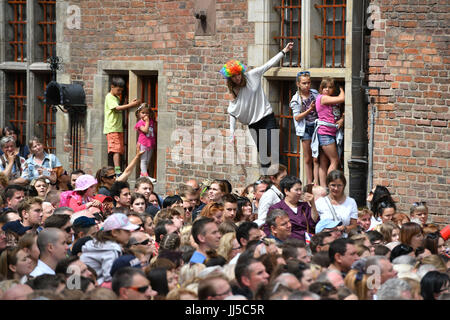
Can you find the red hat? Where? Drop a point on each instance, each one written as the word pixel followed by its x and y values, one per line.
pixel 102 198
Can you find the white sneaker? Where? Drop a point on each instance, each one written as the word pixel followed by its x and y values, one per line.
pixel 153 180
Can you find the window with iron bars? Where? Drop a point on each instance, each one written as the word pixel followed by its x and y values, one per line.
pixel 326 21
pixel 46 33
pixel 333 33
pixel 16 103
pixel 326 49
pixel 290 30
pixel 16 27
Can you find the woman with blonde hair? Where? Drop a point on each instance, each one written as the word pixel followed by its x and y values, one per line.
pixel 436 261
pixel 419 212
pixel 229 246
pixel 357 280
pixel 181 294
pixel 42 186
pixel 186 236
pixel 189 273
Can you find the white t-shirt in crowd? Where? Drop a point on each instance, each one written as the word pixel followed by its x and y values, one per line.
pixel 345 211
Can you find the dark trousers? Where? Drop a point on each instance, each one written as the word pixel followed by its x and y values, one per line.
pixel 262 133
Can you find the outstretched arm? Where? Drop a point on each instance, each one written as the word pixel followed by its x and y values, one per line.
pixel 126 173
pixel 274 60
pixel 134 103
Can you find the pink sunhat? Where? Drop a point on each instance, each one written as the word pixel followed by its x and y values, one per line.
pixel 118 221
pixel 84 181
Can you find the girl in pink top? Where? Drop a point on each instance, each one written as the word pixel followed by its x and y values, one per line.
pixel 146 139
pixel 328 110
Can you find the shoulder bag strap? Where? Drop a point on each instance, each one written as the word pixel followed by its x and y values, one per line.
pixel 327 200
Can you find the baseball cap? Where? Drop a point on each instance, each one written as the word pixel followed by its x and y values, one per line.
pixel 102 198
pixel 118 221
pixel 327 224
pixel 15 226
pixel 127 260
pixel 84 222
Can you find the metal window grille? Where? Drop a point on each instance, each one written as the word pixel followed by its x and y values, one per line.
pixel 19 26
pixel 149 94
pixel 48 122
pixel 290 16
pixel 48 25
pixel 16 109
pixel 333 33
pixel 289 141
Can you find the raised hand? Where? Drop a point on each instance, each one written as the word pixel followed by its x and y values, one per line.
pixel 288 47
pixel 136 102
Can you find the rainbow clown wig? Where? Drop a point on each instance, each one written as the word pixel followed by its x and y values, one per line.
pixel 232 68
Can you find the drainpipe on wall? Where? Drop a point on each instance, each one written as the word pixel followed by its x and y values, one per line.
pixel 358 162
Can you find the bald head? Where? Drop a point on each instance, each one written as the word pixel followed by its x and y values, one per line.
pixel 193 183
pixel 47 236
pixel 17 292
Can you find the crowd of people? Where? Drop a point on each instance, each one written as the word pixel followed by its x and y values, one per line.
pixel 76 236
pixel 101 239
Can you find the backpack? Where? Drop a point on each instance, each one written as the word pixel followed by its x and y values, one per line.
pixel 65 198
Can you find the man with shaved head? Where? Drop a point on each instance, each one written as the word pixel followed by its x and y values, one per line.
pixel 52 244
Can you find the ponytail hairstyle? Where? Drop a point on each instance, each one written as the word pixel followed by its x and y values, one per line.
pixel 100 174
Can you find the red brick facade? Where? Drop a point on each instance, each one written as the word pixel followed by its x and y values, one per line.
pixel 409 61
pixel 165 30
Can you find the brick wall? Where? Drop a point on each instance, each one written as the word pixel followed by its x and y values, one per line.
pixel 165 30
pixel 409 61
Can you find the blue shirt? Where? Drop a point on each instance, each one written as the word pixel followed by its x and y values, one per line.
pixel 197 257
pixel 50 162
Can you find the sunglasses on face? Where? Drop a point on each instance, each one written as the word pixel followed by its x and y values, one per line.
pixel 140 289
pixel 111 176
pixel 144 243
pixel 68 229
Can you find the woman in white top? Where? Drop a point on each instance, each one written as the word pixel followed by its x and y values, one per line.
pixel 250 105
pixel 338 206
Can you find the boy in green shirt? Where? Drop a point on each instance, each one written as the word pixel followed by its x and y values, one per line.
pixel 113 120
